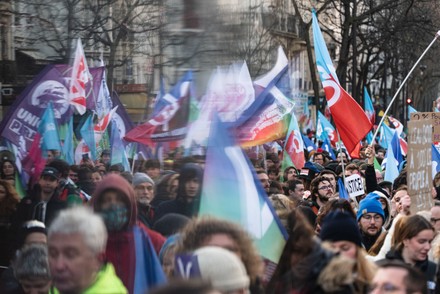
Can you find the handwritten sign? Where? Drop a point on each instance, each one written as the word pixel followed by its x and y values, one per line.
pixel 354 185
pixel 419 176
pixel 430 117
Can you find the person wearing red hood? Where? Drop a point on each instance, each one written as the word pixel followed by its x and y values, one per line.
pixel 130 243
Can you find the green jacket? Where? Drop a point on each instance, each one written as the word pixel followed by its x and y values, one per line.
pixel 106 282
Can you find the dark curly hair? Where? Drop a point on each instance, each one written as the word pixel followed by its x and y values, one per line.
pixel 199 230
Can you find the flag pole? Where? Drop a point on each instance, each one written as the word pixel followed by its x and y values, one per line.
pixel 403 83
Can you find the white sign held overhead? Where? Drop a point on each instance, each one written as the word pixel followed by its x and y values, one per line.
pixel 354 185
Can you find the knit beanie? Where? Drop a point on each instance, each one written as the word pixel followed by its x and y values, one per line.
pixel 370 204
pixel 140 178
pixel 217 265
pixel 340 226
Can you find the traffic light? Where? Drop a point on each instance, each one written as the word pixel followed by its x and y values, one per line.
pixel 408 101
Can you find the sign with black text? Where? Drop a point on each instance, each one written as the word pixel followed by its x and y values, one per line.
pixel 354 185
pixel 419 176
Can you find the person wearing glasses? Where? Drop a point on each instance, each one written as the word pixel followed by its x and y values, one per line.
pixel 370 217
pixel 322 190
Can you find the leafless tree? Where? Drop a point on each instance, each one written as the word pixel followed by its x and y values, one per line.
pixel 121 29
pixel 374 39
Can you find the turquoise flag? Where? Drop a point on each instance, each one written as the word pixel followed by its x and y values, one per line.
pixel 49 130
pixel 391 166
pixel 118 154
pixel 232 191
pixel 326 129
pixel 411 110
pixel 368 106
pixel 386 135
pixel 88 134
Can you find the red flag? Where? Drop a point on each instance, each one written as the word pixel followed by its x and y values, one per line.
pixel 141 134
pixel 294 146
pixel 34 161
pixel 350 119
pixel 80 77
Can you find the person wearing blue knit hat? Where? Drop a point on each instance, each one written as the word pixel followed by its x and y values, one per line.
pixel 370 217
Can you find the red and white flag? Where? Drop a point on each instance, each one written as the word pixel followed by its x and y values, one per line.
pixel 102 124
pixel 80 77
pixel 350 119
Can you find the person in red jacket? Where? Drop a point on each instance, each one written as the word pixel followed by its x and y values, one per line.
pixel 114 200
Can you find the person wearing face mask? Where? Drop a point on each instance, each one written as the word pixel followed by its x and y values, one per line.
pixel 131 247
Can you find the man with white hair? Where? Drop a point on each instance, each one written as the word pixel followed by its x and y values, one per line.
pixel 143 187
pixel 77 240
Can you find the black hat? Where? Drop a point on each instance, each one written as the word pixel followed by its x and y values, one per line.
pixel 50 171
pixel 170 223
pixel 340 226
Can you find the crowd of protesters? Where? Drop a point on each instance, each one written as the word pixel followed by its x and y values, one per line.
pixel 97 228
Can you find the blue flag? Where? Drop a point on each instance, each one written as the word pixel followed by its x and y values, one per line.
pixel 327 147
pixel 435 161
pixel 411 110
pixel 49 130
pixel 368 106
pixel 391 166
pixel 88 135
pixel 160 103
pixel 118 154
pixel 342 191
pixel 308 144
pixel 395 144
pixel 148 272
pixel 232 191
pixel 326 129
pixel 386 135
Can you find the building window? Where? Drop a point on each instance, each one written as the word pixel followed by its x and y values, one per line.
pixel 190 18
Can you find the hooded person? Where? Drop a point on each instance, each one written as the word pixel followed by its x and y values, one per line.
pixel 386 206
pixel 188 193
pixel 130 243
pixel 166 188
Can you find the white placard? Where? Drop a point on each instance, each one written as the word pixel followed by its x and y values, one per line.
pixel 354 185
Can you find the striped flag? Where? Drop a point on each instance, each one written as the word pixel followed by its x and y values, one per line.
pixel 232 191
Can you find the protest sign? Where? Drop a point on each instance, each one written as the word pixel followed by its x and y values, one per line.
pixel 354 185
pixel 419 164
pixel 432 118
